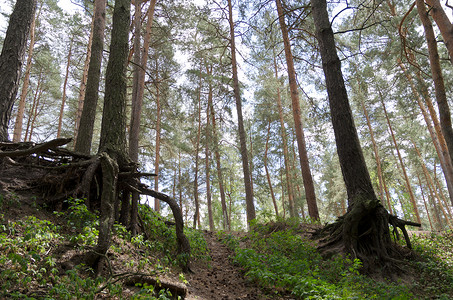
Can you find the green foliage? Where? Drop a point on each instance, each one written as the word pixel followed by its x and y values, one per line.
pixel 162 238
pixel 435 272
pixel 81 222
pixel 283 260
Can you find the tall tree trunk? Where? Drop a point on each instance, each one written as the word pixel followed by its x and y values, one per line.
pixel 11 59
pixel 113 127
pixel 378 160
pixel 197 151
pixel 424 202
pixel 289 182
pixel 303 156
pixel 436 71
pixel 83 82
pixel 17 133
pixel 364 230
pixel 112 146
pixel 268 176
pixel 157 158
pixel 208 176
pixel 87 119
pixel 35 114
pixel 435 133
pixel 215 138
pixel 65 84
pixel 35 99
pixel 403 167
pixel 443 23
pixel 250 206
pixel 138 87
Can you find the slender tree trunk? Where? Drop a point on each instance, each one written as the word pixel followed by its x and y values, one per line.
pixel 303 156
pixel 378 160
pixel 436 71
pixel 226 223
pixel 65 84
pixel 208 178
pixel 87 119
pixel 424 202
pixel 35 114
pixel 23 95
pixel 403 168
pixel 30 115
pixel 11 59
pixel 443 23
pixel 439 143
pixel 140 65
pixel 250 206
pixel 197 151
pixel 83 82
pixel 157 159
pixel 180 181
pixel 432 187
pixel 289 184
pixel 268 176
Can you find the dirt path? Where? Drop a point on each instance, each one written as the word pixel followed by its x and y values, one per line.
pixel 221 279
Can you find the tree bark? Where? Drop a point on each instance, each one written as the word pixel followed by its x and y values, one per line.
pixel 17 133
pixel 83 82
pixel 11 59
pixel 113 129
pixel 436 71
pixel 65 84
pixel 157 158
pixel 303 156
pixel 443 23
pixel 87 119
pixel 250 206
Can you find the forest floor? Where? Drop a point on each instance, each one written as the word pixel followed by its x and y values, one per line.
pixel 220 278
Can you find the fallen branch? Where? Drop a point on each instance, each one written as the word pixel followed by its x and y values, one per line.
pixel 38 148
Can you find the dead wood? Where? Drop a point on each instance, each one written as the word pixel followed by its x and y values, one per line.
pixel 36 149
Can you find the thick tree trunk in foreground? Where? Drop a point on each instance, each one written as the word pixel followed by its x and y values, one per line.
pixel 85 131
pixel 363 231
pixel 303 156
pixel 250 206
pixel 11 59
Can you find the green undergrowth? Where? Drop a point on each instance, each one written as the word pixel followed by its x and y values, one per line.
pixel 32 251
pixel 279 258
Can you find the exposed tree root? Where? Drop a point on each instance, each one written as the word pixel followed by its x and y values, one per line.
pixel 57 174
pixel 364 233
